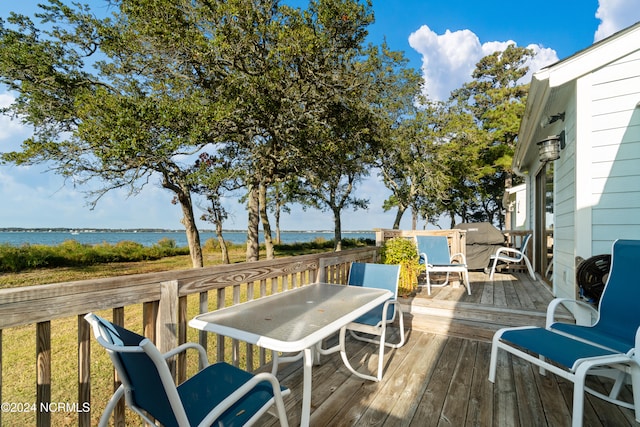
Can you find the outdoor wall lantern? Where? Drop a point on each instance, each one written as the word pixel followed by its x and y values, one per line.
pixel 549 148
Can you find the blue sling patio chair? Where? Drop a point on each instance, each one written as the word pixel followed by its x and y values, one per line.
pixel 375 322
pixel 435 255
pixel 218 395
pixel 606 348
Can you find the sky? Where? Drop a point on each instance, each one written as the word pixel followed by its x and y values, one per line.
pixel 442 39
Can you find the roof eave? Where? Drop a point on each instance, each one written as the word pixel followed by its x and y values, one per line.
pixel 562 72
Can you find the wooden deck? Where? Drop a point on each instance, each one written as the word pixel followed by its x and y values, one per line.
pixel 439 377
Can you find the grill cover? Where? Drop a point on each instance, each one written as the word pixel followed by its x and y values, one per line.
pixel 483 239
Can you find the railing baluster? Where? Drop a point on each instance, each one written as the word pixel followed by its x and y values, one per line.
pixel 220 339
pixel 182 338
pixel 249 347
pixel 84 372
pixel 203 308
pixel 235 344
pixel 1 399
pixel 43 373
pixel 262 351
pixel 118 412
pixel 149 316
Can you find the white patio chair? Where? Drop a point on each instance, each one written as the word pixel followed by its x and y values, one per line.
pixel 513 255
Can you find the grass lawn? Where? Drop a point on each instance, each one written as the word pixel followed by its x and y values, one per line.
pixel 18 344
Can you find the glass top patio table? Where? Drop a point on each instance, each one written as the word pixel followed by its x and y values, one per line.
pixel 292 320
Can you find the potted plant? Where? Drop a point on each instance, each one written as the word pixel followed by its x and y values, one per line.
pixel 400 250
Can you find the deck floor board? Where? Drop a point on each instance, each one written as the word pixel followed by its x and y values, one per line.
pixel 440 376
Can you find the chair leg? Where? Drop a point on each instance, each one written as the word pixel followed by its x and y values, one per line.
pixel 468 283
pixel 635 385
pixel 493 268
pixel 493 364
pixel 578 396
pixel 345 358
pixel 401 324
pixel 383 336
pixel 530 268
pixel 111 404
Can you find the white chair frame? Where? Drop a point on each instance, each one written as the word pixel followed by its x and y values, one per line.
pixel 512 255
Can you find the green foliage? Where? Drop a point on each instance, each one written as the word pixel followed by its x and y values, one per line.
pixel 74 254
pixel 71 253
pixel 321 244
pixel 292 95
pixel 400 250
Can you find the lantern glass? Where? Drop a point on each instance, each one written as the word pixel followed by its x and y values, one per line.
pixel 549 149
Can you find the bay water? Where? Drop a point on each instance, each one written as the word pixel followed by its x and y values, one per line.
pixel 53 237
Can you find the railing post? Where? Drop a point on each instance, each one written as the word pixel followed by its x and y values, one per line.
pixel 167 325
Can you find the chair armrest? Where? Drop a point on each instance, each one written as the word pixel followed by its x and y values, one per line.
pixel 553 305
pixel 462 257
pixel 240 392
pixel 204 360
pixel 508 251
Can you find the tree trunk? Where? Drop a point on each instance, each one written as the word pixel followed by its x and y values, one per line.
pixel 277 218
pixel 337 231
pixel 193 236
pixel 264 217
pixel 223 243
pixel 253 245
pixel 414 219
pixel 399 214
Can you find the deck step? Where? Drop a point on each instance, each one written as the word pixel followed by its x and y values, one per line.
pixel 468 320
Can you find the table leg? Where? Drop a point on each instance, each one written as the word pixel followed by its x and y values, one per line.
pixel 306 388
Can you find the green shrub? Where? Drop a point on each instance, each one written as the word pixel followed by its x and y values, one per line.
pixel 400 250
pixel 167 243
pixel 71 253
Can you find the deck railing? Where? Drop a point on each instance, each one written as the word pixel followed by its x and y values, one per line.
pixel 457 238
pixel 160 303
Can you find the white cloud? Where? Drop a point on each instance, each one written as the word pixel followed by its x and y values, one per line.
pixel 615 15
pixel 543 56
pixel 10 130
pixel 449 59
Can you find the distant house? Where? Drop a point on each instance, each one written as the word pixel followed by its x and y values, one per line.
pixel 590 104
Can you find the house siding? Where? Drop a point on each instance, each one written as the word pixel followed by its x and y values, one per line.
pixel 565 188
pixel 615 153
pixel 597 177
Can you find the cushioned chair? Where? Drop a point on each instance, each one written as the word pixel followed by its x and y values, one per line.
pixel 435 255
pixel 374 323
pixel 218 395
pixel 513 255
pixel 605 348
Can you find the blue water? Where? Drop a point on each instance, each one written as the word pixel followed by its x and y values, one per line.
pixel 148 238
